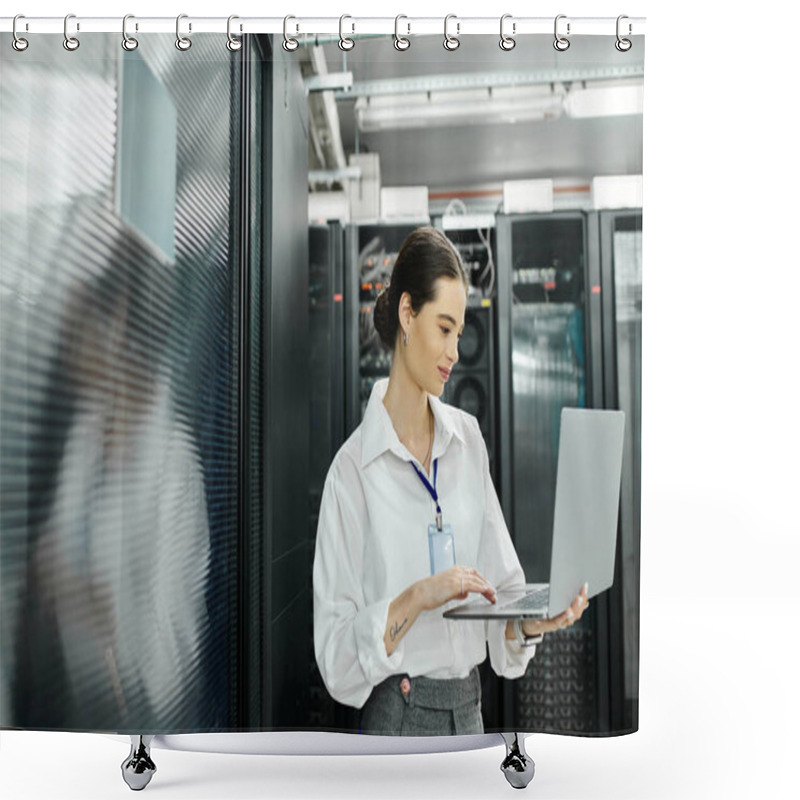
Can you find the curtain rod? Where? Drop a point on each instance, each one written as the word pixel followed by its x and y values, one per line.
pixel 349 25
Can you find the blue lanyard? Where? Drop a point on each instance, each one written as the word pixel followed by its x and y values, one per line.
pixel 432 490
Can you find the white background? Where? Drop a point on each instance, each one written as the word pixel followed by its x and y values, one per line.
pixel 718 684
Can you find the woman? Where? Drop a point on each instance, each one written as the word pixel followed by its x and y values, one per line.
pixel 407 491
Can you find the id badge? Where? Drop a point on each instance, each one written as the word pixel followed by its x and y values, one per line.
pixel 442 548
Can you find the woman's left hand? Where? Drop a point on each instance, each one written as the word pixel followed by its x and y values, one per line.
pixel 533 627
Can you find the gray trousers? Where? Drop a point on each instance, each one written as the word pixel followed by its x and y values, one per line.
pixel 424 707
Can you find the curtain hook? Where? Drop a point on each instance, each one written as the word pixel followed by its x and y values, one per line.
pixel 289 44
pixel 128 42
pixel 507 42
pixel 345 44
pixel 400 42
pixel 561 43
pixel 18 43
pixel 70 42
pixel 623 45
pixel 181 42
pixel 451 42
pixel 234 44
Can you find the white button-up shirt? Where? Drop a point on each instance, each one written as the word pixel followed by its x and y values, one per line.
pixel 372 544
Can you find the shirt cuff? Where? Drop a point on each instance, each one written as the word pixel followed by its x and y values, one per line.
pixel 370 628
pixel 508 657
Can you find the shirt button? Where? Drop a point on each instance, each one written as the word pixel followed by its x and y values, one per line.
pixel 405 686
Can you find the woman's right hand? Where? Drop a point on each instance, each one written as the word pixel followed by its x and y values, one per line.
pixel 454 583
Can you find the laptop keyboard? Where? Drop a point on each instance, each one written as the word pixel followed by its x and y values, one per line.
pixel 532 601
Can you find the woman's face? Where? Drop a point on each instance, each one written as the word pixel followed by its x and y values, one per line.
pixel 433 334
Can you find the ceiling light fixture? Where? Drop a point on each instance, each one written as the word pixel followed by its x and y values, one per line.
pixel 605 98
pixel 499 105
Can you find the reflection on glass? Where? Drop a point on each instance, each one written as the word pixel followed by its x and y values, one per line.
pixel 548 359
pixel 118 402
pixel 547 362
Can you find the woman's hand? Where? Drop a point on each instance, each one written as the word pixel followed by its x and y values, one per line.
pixel 429 593
pixel 533 627
pixel 455 583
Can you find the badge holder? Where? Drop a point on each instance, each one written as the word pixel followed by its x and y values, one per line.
pixel 442 546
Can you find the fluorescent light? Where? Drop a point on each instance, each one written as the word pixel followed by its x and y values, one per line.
pixel 500 105
pixel 605 98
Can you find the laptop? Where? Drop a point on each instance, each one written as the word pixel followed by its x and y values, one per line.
pixel 584 524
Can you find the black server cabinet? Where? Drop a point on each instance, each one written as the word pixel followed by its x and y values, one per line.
pixel 326 361
pixel 326 420
pixel 548 350
pixel 282 604
pixel 569 334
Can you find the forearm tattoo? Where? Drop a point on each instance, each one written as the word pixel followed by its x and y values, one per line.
pixel 394 631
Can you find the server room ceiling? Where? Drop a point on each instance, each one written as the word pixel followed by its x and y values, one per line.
pixel 479 153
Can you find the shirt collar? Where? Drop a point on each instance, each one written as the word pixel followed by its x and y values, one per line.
pixel 378 433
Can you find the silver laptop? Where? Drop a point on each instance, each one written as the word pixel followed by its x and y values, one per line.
pixel 584 524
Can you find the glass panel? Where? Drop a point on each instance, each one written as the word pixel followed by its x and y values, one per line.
pixel 118 368
pixel 548 372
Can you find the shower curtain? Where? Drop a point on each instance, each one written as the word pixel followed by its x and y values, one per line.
pixel 193 241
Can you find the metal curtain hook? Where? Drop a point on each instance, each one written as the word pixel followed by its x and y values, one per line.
pixel 70 42
pixel 289 44
pixel 234 44
pixel 623 45
pixel 561 43
pixel 345 44
pixel 507 42
pixel 128 42
pixel 181 42
pixel 18 43
pixel 451 42
pixel 400 42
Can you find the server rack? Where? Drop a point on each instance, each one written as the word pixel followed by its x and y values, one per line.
pixel 326 421
pixel 326 328
pixel 560 340
pixel 547 312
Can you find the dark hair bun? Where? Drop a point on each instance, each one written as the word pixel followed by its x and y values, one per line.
pixel 425 256
pixel 382 320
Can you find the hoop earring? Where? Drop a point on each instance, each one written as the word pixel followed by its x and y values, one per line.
pixel 405 338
